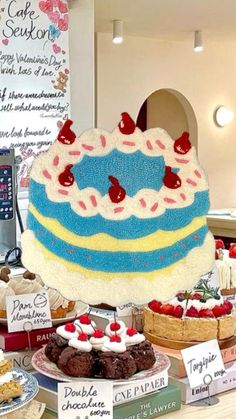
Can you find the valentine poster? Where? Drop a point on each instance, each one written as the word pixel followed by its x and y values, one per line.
pixel 35 77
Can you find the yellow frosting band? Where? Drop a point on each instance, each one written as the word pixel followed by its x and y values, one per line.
pixel 104 242
pixel 108 276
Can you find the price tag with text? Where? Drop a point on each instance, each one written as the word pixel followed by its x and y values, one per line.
pixel 125 310
pixel 85 400
pixel 32 309
pixel 203 363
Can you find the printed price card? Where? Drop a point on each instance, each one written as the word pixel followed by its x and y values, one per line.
pixel 125 310
pixel 85 400
pixel 203 363
pixel 32 309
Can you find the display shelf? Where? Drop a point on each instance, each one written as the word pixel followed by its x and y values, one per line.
pixel 222 224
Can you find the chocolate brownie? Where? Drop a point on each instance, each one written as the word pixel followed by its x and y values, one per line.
pixel 54 347
pixel 143 355
pixel 116 366
pixel 77 364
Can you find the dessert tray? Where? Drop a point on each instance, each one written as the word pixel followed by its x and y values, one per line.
pixel 79 309
pixel 45 367
pixel 30 390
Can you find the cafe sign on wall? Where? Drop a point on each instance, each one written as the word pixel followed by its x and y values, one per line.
pixel 35 76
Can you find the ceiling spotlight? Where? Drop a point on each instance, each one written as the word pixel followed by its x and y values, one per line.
pixel 117 32
pixel 198 46
pixel 223 116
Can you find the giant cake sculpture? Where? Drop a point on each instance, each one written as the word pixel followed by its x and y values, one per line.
pixel 118 217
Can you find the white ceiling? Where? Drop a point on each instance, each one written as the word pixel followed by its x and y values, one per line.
pixel 169 19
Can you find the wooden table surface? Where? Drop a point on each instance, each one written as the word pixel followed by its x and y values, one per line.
pixel 225 409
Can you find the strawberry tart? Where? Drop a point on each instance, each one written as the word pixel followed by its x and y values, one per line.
pixel 114 217
pixel 195 316
pixel 226 267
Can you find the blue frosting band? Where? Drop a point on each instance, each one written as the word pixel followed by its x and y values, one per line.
pixel 123 261
pixel 131 228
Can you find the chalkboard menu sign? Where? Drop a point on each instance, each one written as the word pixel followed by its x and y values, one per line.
pixel 35 77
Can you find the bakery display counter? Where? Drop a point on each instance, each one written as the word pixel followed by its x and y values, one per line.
pixel 222 222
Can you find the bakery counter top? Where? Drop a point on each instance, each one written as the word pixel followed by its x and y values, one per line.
pixel 225 408
pixel 222 222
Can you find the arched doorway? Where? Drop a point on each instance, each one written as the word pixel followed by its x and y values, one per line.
pixel 170 110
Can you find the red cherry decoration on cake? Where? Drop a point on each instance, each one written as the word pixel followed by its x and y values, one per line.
pixel 116 192
pixel 182 145
pixel 85 319
pixel 115 326
pixel 98 333
pixel 232 250
pixel 115 338
pixel 66 135
pixel 66 178
pixel 171 180
pixel 83 337
pixel 220 244
pixel 131 331
pixel 70 327
pixel 126 125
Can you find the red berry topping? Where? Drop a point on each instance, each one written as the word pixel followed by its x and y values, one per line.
pixel 83 336
pixel 98 333
pixel 66 178
pixel 114 326
pixel 196 296
pixel 232 250
pixel 167 309
pixel 192 312
pixel 205 312
pixel 182 145
pixel 116 192
pixel 126 125
pixel 85 319
pixel 66 136
pixel 220 244
pixel 154 305
pixel 115 338
pixel 131 332
pixel 181 295
pixel 178 311
pixel 228 306
pixel 70 327
pixel 171 180
pixel 219 311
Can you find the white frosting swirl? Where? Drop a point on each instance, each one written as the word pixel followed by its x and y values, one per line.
pixel 86 328
pixel 65 333
pixel 5 290
pixel 24 286
pixel 147 203
pixel 135 339
pixel 55 299
pixel 80 345
pixel 186 304
pixel 5 378
pixel 98 343
pixel 117 347
pixel 121 331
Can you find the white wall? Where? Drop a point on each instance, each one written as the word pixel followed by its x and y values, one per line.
pixel 128 73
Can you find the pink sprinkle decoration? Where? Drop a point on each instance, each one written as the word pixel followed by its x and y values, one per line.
pixel 154 207
pixel 184 161
pixel 162 257
pixel 129 143
pixel 56 161
pixel 184 245
pixel 87 147
pixel 62 192
pixel 160 144
pixel 46 174
pixel 143 203
pixel 71 250
pixel 82 204
pixel 118 209
pixel 93 200
pixel 191 182
pixel 195 236
pixel 103 140
pixel 197 173
pixel 74 153
pixel 175 255
pixel 149 145
pixel 169 200
pixel 183 196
